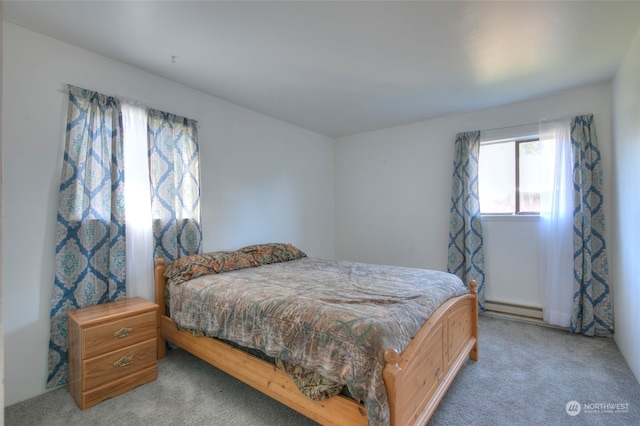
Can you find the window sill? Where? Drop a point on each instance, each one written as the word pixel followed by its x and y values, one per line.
pixel 510 218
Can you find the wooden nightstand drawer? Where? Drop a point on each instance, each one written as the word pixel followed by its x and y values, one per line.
pixel 118 334
pixel 117 364
pixel 117 387
pixel 112 349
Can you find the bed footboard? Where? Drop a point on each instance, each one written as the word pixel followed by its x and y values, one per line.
pixel 417 379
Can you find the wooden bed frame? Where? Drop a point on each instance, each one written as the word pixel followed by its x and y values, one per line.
pixel 416 379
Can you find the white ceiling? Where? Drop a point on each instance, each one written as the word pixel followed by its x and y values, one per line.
pixel 339 68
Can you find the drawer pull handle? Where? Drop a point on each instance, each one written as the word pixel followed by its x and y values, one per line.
pixel 123 332
pixel 123 362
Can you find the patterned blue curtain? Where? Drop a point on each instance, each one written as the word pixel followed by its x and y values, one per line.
pixel 174 171
pixel 592 307
pixel 90 229
pixel 466 255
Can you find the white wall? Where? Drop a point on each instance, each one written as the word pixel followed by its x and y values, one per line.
pixel 626 206
pixel 394 189
pixel 262 180
pixel 511 251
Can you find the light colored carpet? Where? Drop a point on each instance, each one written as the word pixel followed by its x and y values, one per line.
pixel 526 376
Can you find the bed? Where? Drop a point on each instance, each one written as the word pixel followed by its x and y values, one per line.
pixel 391 346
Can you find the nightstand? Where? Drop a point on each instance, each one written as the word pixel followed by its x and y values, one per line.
pixel 112 349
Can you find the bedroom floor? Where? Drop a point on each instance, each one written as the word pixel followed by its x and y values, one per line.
pixel 526 375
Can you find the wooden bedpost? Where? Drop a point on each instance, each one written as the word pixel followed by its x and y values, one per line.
pixel 473 355
pixel 389 375
pixel 162 310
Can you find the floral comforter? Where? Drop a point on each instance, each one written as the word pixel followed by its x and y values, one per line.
pixel 333 317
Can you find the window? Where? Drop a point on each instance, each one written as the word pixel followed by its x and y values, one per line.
pixel 509 176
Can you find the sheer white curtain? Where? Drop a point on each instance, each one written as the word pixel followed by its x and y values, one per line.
pixel 556 222
pixel 137 203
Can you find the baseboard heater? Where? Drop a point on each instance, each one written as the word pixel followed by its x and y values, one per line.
pixel 513 309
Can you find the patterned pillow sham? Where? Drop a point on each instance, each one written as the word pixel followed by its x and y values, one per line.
pixel 186 268
pixel 272 253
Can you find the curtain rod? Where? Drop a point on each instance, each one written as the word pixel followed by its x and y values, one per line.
pixel 496 129
pixel 552 118
pixel 123 99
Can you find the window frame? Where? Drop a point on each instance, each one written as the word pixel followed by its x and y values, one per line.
pixel 517 141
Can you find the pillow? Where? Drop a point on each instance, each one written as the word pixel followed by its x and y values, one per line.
pixel 272 253
pixel 188 267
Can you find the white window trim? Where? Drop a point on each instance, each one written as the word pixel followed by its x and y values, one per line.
pixel 521 217
pixel 504 134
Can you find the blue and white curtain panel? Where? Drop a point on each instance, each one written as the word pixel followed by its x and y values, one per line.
pixel 174 170
pixel 465 252
pixel 592 306
pixel 90 231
